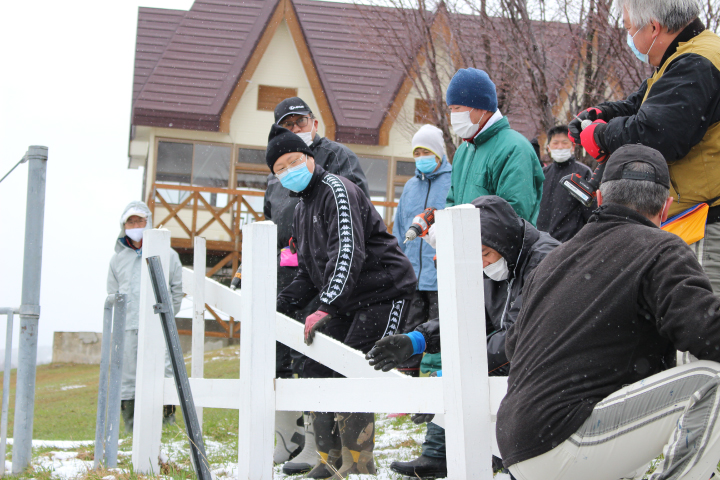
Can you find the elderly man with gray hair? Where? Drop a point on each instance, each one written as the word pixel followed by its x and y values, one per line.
pixel 594 392
pixel 676 111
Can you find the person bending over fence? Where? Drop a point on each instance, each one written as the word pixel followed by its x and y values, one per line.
pixel 365 283
pixel 593 390
pixel 511 250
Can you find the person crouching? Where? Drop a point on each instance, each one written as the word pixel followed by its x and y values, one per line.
pixel 365 283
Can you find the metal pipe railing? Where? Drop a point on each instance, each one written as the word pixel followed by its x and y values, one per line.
pixel 7 369
pixel 107 425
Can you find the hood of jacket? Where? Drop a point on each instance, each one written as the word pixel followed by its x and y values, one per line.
pixel 140 206
pixel 503 230
pixel 445 167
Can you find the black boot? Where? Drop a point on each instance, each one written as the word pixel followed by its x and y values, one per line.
pixel 127 408
pixel 423 467
pixel 327 441
pixel 357 433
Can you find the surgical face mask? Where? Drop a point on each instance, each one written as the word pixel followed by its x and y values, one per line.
pixel 426 164
pixel 497 271
pixel 307 137
pixel 135 234
pixel 296 178
pixel 643 57
pixel 561 155
pixel 462 125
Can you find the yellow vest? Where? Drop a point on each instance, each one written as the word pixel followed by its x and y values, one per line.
pixel 695 178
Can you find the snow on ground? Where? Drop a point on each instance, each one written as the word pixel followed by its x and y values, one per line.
pixel 395 441
pixel 72 387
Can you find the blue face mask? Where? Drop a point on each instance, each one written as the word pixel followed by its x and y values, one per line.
pixel 426 164
pixel 643 57
pixel 296 178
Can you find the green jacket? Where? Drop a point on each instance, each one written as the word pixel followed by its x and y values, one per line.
pixel 499 162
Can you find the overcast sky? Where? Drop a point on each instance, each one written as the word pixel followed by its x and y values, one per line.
pixel 66 82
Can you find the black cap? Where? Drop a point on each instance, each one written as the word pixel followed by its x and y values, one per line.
pixel 291 106
pixel 615 168
pixel 282 141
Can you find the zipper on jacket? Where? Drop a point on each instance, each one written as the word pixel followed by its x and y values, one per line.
pixel 421 243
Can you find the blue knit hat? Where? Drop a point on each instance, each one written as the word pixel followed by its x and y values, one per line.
pixel 471 87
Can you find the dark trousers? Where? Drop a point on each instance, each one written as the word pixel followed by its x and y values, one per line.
pixel 287 360
pixel 360 330
pixel 423 307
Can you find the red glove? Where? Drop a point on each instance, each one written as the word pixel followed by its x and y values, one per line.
pixel 590 139
pixel 314 322
pixel 575 125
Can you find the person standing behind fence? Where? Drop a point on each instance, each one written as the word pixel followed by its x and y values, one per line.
pixel 561 214
pixel 295 115
pixel 428 188
pixel 365 283
pixel 124 277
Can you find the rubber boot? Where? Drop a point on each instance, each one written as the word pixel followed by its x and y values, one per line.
pixel 127 408
pixel 357 434
pixel 308 458
pixel 327 442
pixel 168 415
pixel 288 435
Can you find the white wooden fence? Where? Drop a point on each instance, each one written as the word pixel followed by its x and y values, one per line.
pixel 464 400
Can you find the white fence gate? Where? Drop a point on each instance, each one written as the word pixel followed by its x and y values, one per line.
pixel 464 399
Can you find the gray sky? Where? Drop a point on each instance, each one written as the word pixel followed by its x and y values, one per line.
pixel 66 83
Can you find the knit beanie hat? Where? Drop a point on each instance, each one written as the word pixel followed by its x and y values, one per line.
pixel 282 141
pixel 473 88
pixel 431 138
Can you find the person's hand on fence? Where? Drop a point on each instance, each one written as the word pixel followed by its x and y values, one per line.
pixel 420 418
pixel 313 322
pixel 391 351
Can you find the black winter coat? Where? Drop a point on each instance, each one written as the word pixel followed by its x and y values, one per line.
pixel 561 215
pixel 345 253
pixel 523 248
pixel 334 157
pixel 606 309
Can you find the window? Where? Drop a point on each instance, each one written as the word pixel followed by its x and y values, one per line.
pixel 212 166
pixel 174 162
pixel 423 112
pixel 269 97
pixel 248 155
pixel 405 169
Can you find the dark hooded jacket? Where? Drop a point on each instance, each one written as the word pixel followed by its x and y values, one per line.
pixel 345 253
pixel 523 247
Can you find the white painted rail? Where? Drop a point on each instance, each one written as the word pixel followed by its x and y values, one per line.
pixel 465 394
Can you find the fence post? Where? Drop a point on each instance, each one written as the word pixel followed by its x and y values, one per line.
pixel 7 369
pixel 112 424
pixel 149 382
pixel 29 308
pixel 105 353
pixel 257 352
pixel 198 323
pixel 462 316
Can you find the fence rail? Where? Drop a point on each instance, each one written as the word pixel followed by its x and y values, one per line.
pixel 465 394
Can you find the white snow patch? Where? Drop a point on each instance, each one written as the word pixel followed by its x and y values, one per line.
pixel 72 387
pixel 60 444
pixel 64 465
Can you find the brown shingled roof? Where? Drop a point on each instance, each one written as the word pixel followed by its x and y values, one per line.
pixel 200 66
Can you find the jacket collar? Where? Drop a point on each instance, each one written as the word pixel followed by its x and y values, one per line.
pixel 316 141
pixel 318 174
pixel 445 167
pixel 562 165
pixel 483 137
pixel 613 212
pixel 695 28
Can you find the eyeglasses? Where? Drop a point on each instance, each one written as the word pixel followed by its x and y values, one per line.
pixel 297 162
pixel 141 222
pixel 300 122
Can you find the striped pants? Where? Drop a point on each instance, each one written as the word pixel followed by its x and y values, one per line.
pixel 674 413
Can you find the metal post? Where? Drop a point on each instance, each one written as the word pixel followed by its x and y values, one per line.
pixel 103 384
pixel 7 369
pixel 164 307
pixel 198 323
pixel 112 425
pixel 29 308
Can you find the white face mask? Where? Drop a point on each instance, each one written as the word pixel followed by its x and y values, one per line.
pixel 462 125
pixel 561 155
pixel 497 271
pixel 307 137
pixel 135 234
